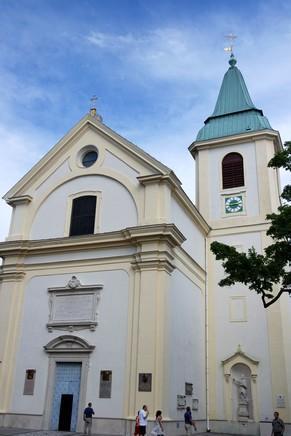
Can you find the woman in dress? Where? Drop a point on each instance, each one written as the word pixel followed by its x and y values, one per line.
pixel 158 429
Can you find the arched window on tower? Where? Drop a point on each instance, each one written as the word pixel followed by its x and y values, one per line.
pixel 232 171
pixel 83 215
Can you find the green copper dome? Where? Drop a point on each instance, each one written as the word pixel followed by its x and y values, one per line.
pixel 234 111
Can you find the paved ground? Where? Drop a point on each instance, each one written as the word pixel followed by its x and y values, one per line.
pixel 7 431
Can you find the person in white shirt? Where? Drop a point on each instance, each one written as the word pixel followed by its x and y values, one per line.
pixel 143 420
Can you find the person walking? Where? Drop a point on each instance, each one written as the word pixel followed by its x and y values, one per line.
pixel 158 429
pixel 136 428
pixel 87 417
pixel 278 426
pixel 189 422
pixel 143 420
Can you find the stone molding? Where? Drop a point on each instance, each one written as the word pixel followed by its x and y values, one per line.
pixel 125 237
pixel 21 199
pixel 239 357
pixel 242 137
pixel 11 276
pixel 62 298
pixel 68 344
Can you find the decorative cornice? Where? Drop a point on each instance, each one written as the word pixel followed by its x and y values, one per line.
pixel 11 276
pixel 154 232
pixel 154 260
pixel 131 235
pixel 169 178
pixel 240 138
pixel 21 199
pixel 150 265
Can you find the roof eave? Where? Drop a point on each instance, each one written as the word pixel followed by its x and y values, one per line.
pixel 240 137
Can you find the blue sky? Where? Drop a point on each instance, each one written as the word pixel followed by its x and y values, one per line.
pixel 155 65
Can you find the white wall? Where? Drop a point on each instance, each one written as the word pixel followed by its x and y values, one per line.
pixel 185 335
pixel 110 339
pixel 195 240
pixel 251 334
pixel 118 209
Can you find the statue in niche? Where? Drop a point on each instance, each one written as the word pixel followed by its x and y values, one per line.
pixel 243 400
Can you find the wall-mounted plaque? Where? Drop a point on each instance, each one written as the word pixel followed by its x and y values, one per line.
pixel 73 307
pixel 29 382
pixel 145 382
pixel 181 401
pixel 105 384
pixel 188 389
pixel 280 401
pixel 195 404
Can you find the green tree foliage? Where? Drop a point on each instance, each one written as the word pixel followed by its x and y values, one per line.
pixel 262 272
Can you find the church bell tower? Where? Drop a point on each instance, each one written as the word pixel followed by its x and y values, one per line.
pixel 234 186
pixel 235 190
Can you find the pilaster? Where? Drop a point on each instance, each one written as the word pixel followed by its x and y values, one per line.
pixel 11 298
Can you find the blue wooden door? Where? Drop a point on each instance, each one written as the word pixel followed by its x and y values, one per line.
pixel 67 381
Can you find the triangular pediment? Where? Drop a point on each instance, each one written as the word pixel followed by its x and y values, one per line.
pixel 128 154
pixel 240 357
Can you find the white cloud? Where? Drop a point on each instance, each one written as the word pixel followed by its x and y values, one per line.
pixel 182 64
pixel 163 53
pixel 23 148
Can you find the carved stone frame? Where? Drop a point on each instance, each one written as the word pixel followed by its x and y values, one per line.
pixel 74 288
pixel 71 349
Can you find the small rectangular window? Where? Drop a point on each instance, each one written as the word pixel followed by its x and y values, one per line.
pixel 83 215
pixel 29 382
pixel 105 384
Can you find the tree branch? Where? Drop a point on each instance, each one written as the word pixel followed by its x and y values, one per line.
pixel 268 303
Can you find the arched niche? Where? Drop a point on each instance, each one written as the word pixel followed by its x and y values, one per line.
pixel 240 387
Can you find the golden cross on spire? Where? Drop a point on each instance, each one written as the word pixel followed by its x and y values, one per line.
pixel 231 37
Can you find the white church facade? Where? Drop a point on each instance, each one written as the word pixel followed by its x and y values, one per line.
pixel 109 292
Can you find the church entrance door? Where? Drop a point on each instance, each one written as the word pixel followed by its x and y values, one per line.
pixel 65 412
pixel 66 396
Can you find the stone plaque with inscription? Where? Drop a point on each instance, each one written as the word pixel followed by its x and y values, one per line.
pixel 79 307
pixel 73 308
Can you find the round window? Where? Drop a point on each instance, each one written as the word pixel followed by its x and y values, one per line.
pixel 89 158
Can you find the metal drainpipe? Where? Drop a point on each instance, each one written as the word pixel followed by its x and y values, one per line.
pixel 206 339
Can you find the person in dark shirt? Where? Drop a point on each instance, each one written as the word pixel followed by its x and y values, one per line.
pixel 87 416
pixel 189 422
pixel 278 425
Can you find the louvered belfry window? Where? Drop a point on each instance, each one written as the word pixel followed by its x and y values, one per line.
pixel 83 215
pixel 232 171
